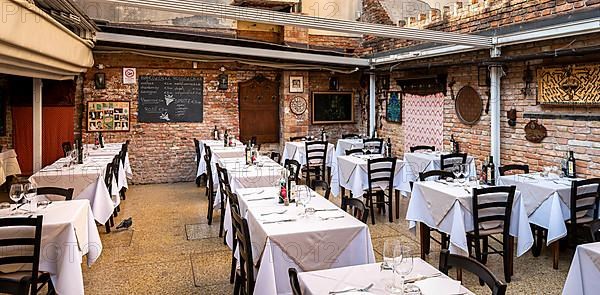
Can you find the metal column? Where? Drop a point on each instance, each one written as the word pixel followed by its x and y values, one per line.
pixel 37 124
pixel 372 125
pixel 495 76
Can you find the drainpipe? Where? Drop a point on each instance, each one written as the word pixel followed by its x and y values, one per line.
pixel 372 125
pixel 37 124
pixel 495 76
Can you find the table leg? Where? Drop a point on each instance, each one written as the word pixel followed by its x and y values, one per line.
pixel 397 204
pixel 424 234
pixel 555 253
pixel 343 192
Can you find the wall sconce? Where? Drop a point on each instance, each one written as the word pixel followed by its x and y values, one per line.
pixel 512 117
pixel 223 80
pixel 100 80
pixel 334 84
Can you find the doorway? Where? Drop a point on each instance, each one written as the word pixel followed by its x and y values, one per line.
pixel 259 110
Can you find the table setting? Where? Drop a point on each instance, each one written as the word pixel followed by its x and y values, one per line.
pixel 352 174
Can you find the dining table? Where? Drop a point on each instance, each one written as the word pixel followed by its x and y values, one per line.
pixel 69 233
pixel 423 161
pixel 352 174
pixel 9 165
pixel 375 278
pixel 283 237
pixel 447 207
pixel 296 150
pixel 547 201
pixel 584 274
pixel 214 145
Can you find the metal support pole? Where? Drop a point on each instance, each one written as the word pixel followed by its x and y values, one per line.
pixel 495 76
pixel 372 125
pixel 37 124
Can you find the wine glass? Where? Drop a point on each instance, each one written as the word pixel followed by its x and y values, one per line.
pixel 16 194
pixel 456 170
pixel 30 191
pixel 402 268
pixel 389 246
pixel 305 197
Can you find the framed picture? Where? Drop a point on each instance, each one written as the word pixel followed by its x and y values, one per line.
pixel 107 116
pixel 296 84
pixel 394 107
pixel 332 107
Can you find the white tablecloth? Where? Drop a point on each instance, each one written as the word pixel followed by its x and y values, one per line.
pixel 8 165
pixel 448 208
pixel 311 242
pixel 360 276
pixel 546 201
pixel 352 174
pixel 347 144
pixel 213 144
pixel 423 162
pixel 68 233
pixel 584 274
pixel 296 150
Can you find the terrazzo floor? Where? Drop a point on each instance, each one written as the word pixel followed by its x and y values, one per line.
pixel 172 250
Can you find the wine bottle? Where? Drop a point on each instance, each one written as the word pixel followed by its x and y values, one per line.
pixel 225 138
pixel 571 167
pixel 216 133
pixel 248 153
pixel 491 172
pixel 454 143
pixel 323 134
pixel 282 190
pixel 101 139
pixel 388 148
pixel 79 151
pixel 484 175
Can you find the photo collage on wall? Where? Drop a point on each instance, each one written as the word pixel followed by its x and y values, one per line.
pixel 108 116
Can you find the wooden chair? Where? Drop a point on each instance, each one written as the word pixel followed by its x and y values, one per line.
pixel 57 191
pixel 316 165
pixel 350 136
pixel 493 205
pixel 297 138
pixel 198 159
pixel 426 230
pixel 294 283
pixel 67 147
pixel 115 169
pixel 108 175
pixel 422 148
pixel 357 208
pixel 234 204
pixel 381 171
pixel 122 156
pixel 23 282
pixel 294 168
pixel 513 167
pixel 354 152
pixel 447 161
pixel 275 156
pixel 585 198
pixel 375 144
pixel 473 266
pixel 208 152
pixel 223 185
pixel 210 189
pixel 244 277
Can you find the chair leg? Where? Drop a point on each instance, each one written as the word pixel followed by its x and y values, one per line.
pixel 397 204
pixel 391 212
pixel 233 265
pixel 237 284
pixel 425 236
pixel 372 209
pixel 112 221
pixel 222 221
pixel 538 236
pixel 477 244
pixel 107 226
pixel 484 253
pixel 511 249
pixel 445 240
pixel 198 181
pixel 507 255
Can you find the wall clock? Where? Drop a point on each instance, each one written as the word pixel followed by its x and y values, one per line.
pixel 298 105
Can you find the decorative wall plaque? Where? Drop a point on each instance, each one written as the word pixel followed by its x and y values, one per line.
pixel 573 85
pixel 394 107
pixel 535 132
pixel 468 105
pixel 298 105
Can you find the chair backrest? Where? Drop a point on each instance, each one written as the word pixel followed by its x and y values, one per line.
pixel 381 173
pixel 223 181
pixel 316 154
pixel 209 175
pixel 294 167
pixel 357 209
pixel 275 156
pixel 422 148
pixel 67 147
pixel 350 135
pixel 116 166
pixel 440 174
pixel 447 260
pixel 23 247
pixel 297 138
pixel 234 206
pixel 294 283
pixel 447 161
pixel 585 196
pixel 108 175
pixel 57 191
pixel 492 206
pixel 375 144
pixel 122 156
pixel 244 245
pixel 197 150
pixel 513 167
pixel 354 152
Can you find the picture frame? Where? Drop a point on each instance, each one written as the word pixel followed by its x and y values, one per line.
pixel 332 107
pixel 108 116
pixel 394 107
pixel 296 84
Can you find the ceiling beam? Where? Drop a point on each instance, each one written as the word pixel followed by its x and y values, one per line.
pixel 199 7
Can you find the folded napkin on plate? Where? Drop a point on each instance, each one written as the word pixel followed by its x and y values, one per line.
pixel 435 286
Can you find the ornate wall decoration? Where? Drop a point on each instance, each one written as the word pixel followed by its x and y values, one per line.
pixel 572 84
pixel 394 108
pixel 535 132
pixel 298 105
pixel 423 120
pixel 468 105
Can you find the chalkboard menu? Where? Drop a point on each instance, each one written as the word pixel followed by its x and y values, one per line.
pixel 332 107
pixel 170 99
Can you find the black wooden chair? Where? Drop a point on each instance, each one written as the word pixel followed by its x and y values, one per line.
pixel 354 152
pixel 492 207
pixel 448 161
pixel 447 260
pixel 422 148
pixel 122 155
pixel 15 250
pixel 275 156
pixel 426 230
pixel 223 185
pixel 115 169
pixel 297 138
pixel 108 176
pixel 350 136
pixel 67 147
pixel 381 171
pixel 208 152
pixel 358 209
pixel 210 189
pixel 294 168
pixel 585 199
pixel 198 159
pixel 294 283
pixel 316 166
pixel 374 144
pixel 56 191
pixel 234 204
pixel 513 167
pixel 244 277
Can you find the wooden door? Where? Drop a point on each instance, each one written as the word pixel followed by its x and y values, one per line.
pixel 259 110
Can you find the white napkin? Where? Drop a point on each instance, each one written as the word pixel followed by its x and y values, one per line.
pixel 435 286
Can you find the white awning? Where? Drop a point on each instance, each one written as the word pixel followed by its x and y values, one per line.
pixel 33 44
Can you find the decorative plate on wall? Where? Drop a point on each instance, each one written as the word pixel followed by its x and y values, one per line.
pixel 535 132
pixel 468 105
pixel 298 105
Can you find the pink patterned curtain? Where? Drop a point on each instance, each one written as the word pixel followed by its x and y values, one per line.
pixel 424 120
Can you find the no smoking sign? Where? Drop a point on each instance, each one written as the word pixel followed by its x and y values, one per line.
pixel 129 75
